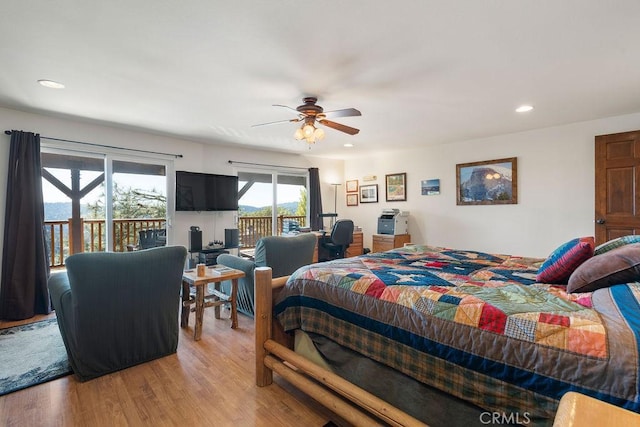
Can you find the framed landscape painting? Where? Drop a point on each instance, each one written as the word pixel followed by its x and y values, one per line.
pixel 396 185
pixel 492 182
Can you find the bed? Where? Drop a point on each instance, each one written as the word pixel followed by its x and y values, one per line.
pixel 476 331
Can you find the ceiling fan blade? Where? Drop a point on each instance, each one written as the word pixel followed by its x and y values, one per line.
pixel 287 107
pixel 340 127
pixel 277 122
pixel 347 112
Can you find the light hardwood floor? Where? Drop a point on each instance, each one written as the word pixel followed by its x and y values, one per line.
pixel 207 383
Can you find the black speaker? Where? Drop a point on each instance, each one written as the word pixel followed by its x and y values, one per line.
pixel 195 240
pixel 231 239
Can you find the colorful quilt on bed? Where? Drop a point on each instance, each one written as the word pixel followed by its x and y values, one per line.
pixel 475 325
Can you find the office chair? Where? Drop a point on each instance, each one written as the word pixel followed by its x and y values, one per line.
pixel 335 245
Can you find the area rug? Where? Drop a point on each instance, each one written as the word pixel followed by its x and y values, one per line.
pixel 31 354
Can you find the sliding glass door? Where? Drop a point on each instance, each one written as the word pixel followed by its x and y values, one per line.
pixel 71 185
pixel 98 202
pixel 139 203
pixel 271 203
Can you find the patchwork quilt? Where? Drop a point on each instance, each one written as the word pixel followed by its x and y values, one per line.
pixel 475 325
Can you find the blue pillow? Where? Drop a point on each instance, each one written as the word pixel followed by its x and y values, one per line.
pixel 565 259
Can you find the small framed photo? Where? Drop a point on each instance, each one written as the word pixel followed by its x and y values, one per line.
pixel 352 186
pixel 492 182
pixel 430 187
pixel 352 199
pixel 396 187
pixel 369 193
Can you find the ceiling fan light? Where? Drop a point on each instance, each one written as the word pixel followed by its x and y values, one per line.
pixel 298 134
pixel 310 140
pixel 308 130
pixel 318 134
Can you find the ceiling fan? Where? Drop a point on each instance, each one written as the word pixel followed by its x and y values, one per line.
pixel 309 113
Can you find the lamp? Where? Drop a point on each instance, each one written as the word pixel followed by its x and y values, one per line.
pixel 335 201
pixel 309 132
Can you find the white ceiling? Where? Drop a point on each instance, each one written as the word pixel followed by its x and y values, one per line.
pixel 422 72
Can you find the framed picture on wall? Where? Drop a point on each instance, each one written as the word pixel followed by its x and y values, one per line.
pixel 396 185
pixel 369 193
pixel 492 182
pixel 430 187
pixel 352 199
pixel 352 186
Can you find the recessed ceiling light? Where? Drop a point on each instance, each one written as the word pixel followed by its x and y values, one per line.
pixel 348 145
pixel 524 108
pixel 51 84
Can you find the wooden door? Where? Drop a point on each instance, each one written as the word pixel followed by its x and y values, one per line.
pixel 617 185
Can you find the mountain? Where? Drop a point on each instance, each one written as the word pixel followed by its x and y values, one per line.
pixel 60 211
pixel 290 207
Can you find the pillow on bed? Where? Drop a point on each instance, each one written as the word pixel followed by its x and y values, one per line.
pixel 565 259
pixel 616 243
pixel 620 265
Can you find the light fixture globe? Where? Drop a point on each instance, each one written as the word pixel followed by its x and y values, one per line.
pixel 308 130
pixel 318 134
pixel 298 134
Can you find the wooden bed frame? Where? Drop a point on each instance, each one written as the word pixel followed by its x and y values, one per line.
pixel 274 354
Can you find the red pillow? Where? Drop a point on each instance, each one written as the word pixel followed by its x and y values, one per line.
pixel 565 259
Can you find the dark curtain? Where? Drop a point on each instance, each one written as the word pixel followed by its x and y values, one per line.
pixel 25 267
pixel 315 200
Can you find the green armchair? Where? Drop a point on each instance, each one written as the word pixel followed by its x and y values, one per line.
pixel 283 254
pixel 116 310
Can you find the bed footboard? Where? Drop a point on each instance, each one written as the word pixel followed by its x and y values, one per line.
pixel 273 349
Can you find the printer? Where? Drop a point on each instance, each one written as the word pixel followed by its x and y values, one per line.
pixel 393 221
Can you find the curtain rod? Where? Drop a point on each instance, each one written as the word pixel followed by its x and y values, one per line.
pixel 177 156
pixel 262 164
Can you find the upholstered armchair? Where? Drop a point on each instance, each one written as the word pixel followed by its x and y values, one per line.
pixel 116 310
pixel 283 254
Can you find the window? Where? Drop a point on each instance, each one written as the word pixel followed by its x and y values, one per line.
pixel 270 203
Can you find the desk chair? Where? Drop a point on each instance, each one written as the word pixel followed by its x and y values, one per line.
pixel 335 245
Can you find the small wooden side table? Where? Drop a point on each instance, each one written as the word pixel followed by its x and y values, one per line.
pixel 215 299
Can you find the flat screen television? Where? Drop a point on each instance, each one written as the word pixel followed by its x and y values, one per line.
pixel 206 192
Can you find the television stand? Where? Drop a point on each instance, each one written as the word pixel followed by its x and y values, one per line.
pixel 206 256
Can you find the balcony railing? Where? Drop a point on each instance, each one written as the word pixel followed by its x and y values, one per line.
pixel 125 233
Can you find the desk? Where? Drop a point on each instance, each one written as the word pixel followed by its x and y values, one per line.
pixel 215 299
pixel 354 249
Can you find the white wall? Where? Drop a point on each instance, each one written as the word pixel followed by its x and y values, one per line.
pixel 555 189
pixel 555 181
pixel 197 157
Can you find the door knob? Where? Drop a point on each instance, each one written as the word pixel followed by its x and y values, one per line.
pixel 600 221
